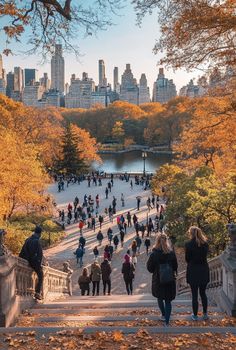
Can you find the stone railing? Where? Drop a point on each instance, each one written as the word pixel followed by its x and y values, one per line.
pixel 17 286
pixel 216 277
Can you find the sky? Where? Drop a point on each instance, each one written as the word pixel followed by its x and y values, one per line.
pixel 122 43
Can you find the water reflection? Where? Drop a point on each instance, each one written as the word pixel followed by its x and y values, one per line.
pixel 132 162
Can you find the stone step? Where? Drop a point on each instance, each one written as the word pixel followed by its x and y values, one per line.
pixel 77 311
pixel 122 318
pixel 39 331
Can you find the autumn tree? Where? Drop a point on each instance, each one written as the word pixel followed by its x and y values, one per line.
pixel 70 161
pixel 22 178
pixel 209 137
pixel 48 21
pixel 193 32
pixel 118 131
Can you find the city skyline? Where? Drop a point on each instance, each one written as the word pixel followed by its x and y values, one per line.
pixel 121 44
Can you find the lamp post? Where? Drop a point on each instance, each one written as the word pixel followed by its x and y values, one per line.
pixel 144 156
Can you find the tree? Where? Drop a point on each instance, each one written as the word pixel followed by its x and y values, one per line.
pixel 71 162
pixel 209 137
pixel 193 32
pixel 48 21
pixel 118 131
pixel 22 178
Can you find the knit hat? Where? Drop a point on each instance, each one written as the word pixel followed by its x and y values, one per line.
pixel 127 258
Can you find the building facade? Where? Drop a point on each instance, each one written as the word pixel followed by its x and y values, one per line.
pixel 163 89
pixel 32 94
pixel 129 89
pixel 31 76
pixel 144 93
pixel 58 70
pixel 80 92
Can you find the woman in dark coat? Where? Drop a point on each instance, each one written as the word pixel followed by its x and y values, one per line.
pixel 196 251
pixel 165 292
pixel 128 270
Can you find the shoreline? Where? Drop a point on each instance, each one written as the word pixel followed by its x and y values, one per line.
pixel 133 150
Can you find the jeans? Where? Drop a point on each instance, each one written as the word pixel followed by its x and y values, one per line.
pixel 165 309
pixel 96 287
pixel 107 284
pixel 84 290
pixel 129 286
pixel 202 292
pixel 39 272
pixel 80 261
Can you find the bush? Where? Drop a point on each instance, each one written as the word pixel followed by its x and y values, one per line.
pixel 21 227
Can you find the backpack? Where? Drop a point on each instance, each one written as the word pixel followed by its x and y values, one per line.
pixel 166 273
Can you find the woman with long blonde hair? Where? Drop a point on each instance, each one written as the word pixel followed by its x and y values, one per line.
pixel 163 265
pixel 196 251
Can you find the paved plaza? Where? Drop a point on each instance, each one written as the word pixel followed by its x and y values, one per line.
pixel 64 251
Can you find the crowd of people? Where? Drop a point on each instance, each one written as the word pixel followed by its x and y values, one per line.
pixel 161 259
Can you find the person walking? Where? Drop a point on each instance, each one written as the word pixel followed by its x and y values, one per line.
pixel 138 198
pixel 100 219
pixel 79 253
pixel 128 271
pixel 82 242
pixel 106 276
pixel 100 237
pixel 147 244
pixel 162 263
pixel 84 281
pixel 196 251
pixel 32 252
pixel 122 198
pixel 122 235
pixel 95 277
pixel 95 252
pixel 128 217
pixel 139 243
pixel 116 241
pixel 109 234
pixel 134 248
pixel 107 254
pixel 81 225
pixel 106 192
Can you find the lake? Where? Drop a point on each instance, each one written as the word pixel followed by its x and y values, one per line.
pixel 132 162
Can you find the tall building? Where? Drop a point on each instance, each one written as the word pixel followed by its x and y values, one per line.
pixel 1 67
pixel 10 84
pixel 144 93
pixel 163 89
pixel 190 90
pixel 31 76
pixel 32 94
pixel 58 70
pixel 45 82
pixel 102 74
pixel 80 92
pixel 18 79
pixel 3 83
pixel 116 85
pixel 129 89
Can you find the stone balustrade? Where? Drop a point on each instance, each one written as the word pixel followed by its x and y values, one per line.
pixel 17 286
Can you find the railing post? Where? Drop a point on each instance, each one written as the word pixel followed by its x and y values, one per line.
pixel 228 259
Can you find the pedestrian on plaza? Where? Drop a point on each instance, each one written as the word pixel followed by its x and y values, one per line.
pixel 100 237
pixel 109 234
pixel 110 213
pixel 84 281
pixel 136 226
pixel 106 192
pixel 147 244
pixel 139 242
pixel 128 217
pixel 128 271
pixel 95 252
pixel 69 217
pixel 82 241
pixel 69 208
pixel 135 219
pixel 131 184
pixel 196 251
pixel 33 253
pixel 95 277
pixel 162 263
pixel 116 241
pixel 134 248
pixel 106 276
pixel 93 223
pixel 142 228
pixel 125 227
pixel 114 204
pixel 79 253
pixel 122 235
pixel 138 198
pixel 81 225
pixel 153 200
pixel 100 219
pixel 149 204
pixel 111 250
pixel 107 254
pixel 97 201
pixel 122 198
pixel 109 186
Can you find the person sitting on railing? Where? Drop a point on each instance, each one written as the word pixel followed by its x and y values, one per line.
pixel 33 253
pixel 196 251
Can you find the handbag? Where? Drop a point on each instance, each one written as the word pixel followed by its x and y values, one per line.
pixel 166 273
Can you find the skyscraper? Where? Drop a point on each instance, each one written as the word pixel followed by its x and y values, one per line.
pixel 116 79
pixel 58 70
pixel 10 84
pixel 80 92
pixel 163 89
pixel 2 78
pixel 129 88
pixel 31 76
pixel 144 94
pixel 102 74
pixel 18 79
pixel 1 67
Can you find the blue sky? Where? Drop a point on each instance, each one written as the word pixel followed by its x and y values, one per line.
pixel 122 43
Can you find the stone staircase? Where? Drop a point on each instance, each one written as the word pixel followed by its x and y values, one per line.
pixel 118 313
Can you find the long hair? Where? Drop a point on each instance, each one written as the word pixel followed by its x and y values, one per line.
pixel 197 234
pixel 162 242
pixel 85 272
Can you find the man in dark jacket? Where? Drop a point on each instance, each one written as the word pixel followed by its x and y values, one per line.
pixel 106 276
pixel 33 253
